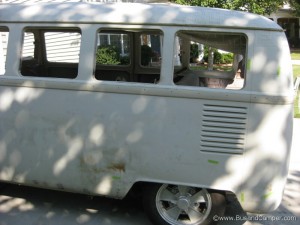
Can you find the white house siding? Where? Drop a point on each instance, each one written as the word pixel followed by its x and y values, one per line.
pixel 62 47
pixel 28 47
pixel 3 50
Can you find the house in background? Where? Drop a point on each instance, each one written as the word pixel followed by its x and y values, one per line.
pixel 290 23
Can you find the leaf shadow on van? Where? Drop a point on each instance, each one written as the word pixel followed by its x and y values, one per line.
pixel 104 138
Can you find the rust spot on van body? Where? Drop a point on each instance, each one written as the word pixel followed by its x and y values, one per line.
pixel 87 166
pixel 117 166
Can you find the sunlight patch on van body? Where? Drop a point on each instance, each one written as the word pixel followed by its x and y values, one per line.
pixel 105 185
pixel 97 135
pixel 22 95
pixel 75 146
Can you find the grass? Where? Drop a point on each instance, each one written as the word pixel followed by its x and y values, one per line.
pixel 297 107
pixel 221 67
pixel 295 54
pixel 296 71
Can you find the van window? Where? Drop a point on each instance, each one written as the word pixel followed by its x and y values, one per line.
pixel 209 59
pixel 128 55
pixel 3 48
pixel 50 53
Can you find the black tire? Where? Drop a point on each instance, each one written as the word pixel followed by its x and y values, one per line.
pixel 2 186
pixel 185 203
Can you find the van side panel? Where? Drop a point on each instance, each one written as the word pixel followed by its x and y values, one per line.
pixel 101 143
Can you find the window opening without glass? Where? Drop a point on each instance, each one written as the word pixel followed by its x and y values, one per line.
pixel 48 53
pixel 212 60
pixel 128 56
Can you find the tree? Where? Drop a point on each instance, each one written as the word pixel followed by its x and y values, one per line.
pixel 295 4
pixel 263 7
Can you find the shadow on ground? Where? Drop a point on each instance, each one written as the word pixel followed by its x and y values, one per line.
pixel 27 205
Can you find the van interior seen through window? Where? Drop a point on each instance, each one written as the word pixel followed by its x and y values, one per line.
pixel 208 59
pixel 57 58
pixel 128 56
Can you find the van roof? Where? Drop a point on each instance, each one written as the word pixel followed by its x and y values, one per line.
pixel 133 13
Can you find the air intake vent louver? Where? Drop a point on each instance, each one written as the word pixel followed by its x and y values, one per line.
pixel 223 129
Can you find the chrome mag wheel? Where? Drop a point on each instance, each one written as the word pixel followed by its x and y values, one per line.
pixel 183 205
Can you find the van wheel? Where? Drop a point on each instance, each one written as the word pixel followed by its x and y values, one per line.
pixel 181 205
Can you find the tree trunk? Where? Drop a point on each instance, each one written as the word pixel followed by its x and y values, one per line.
pixel 210 59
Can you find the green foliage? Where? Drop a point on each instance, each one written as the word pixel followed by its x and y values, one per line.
pixel 125 60
pixel 108 55
pixel 219 58
pixel 295 55
pixel 207 3
pixel 223 58
pixel 296 71
pixel 297 106
pixel 227 58
pixel 264 7
pixel 295 4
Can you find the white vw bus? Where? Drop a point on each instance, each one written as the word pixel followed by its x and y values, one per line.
pixel 186 103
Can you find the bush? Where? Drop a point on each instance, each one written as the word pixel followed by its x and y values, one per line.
pixel 108 55
pixel 219 58
pixel 125 60
pixel 227 58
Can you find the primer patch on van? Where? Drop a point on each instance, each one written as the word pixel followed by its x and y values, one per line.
pixel 248 64
pixel 278 71
pixel 242 197
pixel 214 162
pixel 265 196
pixel 116 177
